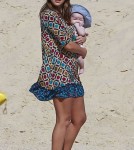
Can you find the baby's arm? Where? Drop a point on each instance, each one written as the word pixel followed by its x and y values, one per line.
pixel 80 29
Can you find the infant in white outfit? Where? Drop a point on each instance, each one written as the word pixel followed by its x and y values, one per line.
pixel 81 19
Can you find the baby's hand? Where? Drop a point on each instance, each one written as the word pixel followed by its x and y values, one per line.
pixel 74 21
pixel 80 39
pixel 77 24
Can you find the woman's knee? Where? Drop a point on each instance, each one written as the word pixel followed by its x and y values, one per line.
pixel 80 120
pixel 65 121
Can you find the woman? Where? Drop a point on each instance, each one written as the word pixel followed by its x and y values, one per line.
pixel 58 78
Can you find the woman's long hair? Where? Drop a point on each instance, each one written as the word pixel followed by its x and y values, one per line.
pixel 65 10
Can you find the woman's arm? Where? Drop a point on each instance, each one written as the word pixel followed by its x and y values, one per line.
pixel 75 48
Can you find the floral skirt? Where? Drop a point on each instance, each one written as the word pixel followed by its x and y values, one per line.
pixel 68 91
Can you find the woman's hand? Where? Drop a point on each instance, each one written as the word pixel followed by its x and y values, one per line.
pixel 76 48
pixel 80 39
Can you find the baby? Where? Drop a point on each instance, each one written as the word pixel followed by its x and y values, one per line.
pixel 81 19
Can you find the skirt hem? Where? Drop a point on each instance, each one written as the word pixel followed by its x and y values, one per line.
pixel 70 90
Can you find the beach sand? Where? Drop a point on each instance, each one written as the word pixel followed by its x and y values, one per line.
pixel 108 78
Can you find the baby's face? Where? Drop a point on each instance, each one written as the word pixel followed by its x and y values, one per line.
pixel 77 18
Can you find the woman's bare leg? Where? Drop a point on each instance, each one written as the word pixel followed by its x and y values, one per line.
pixel 63 116
pixel 78 118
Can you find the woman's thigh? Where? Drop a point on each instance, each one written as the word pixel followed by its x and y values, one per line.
pixel 78 113
pixel 63 108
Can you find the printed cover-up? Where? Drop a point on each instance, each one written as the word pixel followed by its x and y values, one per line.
pixel 58 76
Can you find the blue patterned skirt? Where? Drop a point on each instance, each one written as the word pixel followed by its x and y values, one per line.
pixel 69 90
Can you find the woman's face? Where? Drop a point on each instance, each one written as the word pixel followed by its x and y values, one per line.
pixel 57 3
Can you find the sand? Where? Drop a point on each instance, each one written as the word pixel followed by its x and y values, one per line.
pixel 108 78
